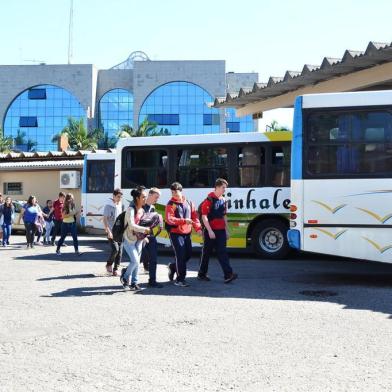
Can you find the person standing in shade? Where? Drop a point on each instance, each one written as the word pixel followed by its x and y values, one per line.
pixel 150 249
pixel 112 210
pixel 180 217
pixel 68 226
pixel 29 214
pixel 132 244
pixel 58 205
pixel 215 232
pixel 48 216
pixel 7 212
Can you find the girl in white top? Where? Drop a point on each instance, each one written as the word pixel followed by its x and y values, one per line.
pixel 132 245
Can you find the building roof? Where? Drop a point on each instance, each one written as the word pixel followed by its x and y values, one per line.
pixel 50 155
pixel 376 53
pixel 42 165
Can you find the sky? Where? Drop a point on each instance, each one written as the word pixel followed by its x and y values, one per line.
pixel 264 36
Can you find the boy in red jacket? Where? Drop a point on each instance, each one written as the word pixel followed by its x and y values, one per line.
pixel 180 217
pixel 216 232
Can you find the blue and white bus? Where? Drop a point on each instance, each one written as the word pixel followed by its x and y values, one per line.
pixel 341 175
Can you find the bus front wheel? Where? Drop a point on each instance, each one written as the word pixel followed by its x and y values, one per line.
pixel 269 239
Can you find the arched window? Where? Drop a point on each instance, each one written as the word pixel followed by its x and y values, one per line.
pixel 182 108
pixel 115 109
pixel 39 113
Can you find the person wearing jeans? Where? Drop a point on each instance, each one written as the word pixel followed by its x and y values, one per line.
pixel 69 224
pixel 132 242
pixel 7 212
pixel 150 249
pixel 113 208
pixel 29 214
pixel 57 216
pixel 48 216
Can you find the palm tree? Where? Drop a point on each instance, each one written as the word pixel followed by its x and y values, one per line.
pixel 103 139
pixel 79 138
pixel 20 142
pixel 5 143
pixel 275 127
pixel 146 128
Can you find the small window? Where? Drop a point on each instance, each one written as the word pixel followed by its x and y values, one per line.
pixel 144 167
pixel 233 126
pixel 200 167
pixel 164 119
pixel 211 119
pixel 37 93
pixel 251 166
pixel 13 188
pixel 280 166
pixel 100 176
pixel 30 122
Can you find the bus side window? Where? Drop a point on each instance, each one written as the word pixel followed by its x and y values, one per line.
pixel 144 167
pixel 280 166
pixel 200 167
pixel 251 166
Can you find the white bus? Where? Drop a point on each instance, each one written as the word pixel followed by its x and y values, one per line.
pixel 256 165
pixel 341 175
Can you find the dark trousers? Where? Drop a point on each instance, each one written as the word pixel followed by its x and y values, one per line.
pixel 149 258
pixel 30 232
pixel 115 254
pixel 182 246
pixel 56 230
pixel 219 243
pixel 65 229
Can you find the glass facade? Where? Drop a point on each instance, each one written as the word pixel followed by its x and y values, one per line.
pixel 115 109
pixel 238 124
pixel 38 114
pixel 186 104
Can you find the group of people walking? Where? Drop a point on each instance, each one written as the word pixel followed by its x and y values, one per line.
pixel 134 231
pixel 56 218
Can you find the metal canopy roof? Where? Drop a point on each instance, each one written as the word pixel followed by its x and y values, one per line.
pixel 376 53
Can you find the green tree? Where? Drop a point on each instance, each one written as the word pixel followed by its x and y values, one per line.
pixel 275 127
pixel 5 143
pixel 146 128
pixel 103 139
pixel 79 138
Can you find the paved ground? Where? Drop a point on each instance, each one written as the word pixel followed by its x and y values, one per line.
pixel 64 326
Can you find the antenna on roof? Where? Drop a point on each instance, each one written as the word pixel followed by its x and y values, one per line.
pixel 70 30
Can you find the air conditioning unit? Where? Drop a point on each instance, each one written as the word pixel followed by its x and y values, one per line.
pixel 69 179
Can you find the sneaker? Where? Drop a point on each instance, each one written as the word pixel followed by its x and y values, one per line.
pixel 58 253
pixel 109 269
pixel 155 285
pixel 115 273
pixel 135 287
pixel 52 243
pixel 203 277
pixel 170 273
pixel 122 280
pixel 65 245
pixel 230 278
pixel 79 253
pixel 182 283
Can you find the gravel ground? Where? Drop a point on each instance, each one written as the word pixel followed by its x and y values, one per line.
pixel 304 324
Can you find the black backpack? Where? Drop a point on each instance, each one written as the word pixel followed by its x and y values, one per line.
pixel 119 227
pixel 209 198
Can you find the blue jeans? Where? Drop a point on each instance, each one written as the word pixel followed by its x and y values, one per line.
pixel 150 256
pixel 134 251
pixel 6 233
pixel 65 229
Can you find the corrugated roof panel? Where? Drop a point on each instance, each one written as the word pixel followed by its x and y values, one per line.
pixel 76 164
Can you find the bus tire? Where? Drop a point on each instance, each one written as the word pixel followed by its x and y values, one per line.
pixel 269 239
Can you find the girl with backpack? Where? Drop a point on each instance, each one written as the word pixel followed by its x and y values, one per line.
pixel 134 238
